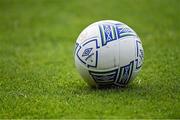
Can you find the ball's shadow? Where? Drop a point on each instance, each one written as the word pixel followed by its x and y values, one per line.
pixel 129 89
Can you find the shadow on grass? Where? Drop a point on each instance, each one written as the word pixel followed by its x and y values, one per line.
pixel 132 89
pixel 129 88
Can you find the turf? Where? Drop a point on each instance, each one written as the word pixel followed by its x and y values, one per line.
pixel 38 78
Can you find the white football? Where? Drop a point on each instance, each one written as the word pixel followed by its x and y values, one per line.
pixel 108 53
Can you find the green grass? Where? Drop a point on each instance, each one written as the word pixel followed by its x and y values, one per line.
pixel 38 78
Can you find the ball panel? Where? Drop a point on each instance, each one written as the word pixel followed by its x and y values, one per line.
pixel 126 50
pixel 90 32
pixel 109 56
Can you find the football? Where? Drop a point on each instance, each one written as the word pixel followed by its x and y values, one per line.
pixel 108 53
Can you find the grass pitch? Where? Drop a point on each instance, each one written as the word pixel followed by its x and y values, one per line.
pixel 38 78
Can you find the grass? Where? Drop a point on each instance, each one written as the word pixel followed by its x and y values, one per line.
pixel 38 78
